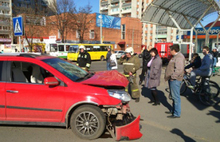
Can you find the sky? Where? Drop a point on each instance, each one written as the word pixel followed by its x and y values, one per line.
pixel 93 3
pixel 95 9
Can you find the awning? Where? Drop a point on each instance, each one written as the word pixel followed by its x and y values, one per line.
pixel 122 43
pixel 158 12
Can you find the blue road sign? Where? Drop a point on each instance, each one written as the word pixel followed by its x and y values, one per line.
pixel 18 26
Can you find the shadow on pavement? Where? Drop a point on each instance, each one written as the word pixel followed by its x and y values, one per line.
pixel 215 114
pixel 193 99
pixel 163 99
pixel 181 134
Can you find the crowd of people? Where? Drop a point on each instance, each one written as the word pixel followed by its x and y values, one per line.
pixel 151 71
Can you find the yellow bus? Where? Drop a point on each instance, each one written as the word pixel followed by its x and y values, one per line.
pixel 96 51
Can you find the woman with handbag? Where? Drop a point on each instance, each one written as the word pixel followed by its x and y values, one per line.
pixel 153 75
pixel 113 61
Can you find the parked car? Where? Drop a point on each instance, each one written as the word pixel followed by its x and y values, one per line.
pixel 119 53
pixel 48 91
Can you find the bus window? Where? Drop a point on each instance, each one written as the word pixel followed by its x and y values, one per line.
pixel 73 48
pixel 104 48
pixel 96 48
pixel 53 47
pixel 61 47
pixel 89 48
pixel 67 47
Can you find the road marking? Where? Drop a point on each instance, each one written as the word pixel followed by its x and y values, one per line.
pixel 151 123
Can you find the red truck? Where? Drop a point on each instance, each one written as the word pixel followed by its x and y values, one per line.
pixel 164 50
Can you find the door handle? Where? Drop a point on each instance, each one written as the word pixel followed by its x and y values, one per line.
pixel 11 91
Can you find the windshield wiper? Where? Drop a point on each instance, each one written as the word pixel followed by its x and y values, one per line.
pixel 88 75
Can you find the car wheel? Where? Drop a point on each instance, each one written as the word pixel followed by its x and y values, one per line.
pixel 102 58
pixel 88 122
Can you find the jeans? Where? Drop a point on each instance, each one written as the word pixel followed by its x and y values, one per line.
pixel 214 63
pixel 108 66
pixel 195 73
pixel 174 86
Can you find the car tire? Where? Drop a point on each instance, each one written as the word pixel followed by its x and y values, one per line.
pixel 88 122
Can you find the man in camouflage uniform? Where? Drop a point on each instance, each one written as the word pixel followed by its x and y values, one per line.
pixel 131 64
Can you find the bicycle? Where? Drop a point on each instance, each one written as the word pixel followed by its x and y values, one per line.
pixel 206 89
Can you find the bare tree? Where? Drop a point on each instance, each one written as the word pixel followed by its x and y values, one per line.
pixel 81 21
pixel 61 20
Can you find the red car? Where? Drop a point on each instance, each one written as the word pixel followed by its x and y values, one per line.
pixel 48 91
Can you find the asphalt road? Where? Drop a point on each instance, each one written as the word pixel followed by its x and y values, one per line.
pixel 198 123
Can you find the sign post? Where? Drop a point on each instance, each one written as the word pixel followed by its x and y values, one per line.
pixel 18 28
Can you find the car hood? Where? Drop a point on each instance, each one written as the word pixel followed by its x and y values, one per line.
pixel 107 78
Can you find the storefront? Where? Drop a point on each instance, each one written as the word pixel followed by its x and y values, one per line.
pixel 5 44
pixel 201 36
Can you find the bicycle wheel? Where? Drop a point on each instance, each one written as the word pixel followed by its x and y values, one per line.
pixel 183 87
pixel 207 98
pixel 214 88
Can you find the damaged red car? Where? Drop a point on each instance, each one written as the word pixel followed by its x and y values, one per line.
pixel 48 91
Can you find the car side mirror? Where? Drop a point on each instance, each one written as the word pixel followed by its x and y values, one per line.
pixel 51 81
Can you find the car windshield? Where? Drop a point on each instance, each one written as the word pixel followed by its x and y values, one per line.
pixel 69 70
pixel 74 48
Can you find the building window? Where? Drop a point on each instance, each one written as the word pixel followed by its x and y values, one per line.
pixel 92 34
pixel 123 31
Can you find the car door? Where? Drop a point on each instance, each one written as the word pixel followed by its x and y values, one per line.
pixel 3 71
pixel 30 100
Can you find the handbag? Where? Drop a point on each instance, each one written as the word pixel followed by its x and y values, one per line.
pixel 112 63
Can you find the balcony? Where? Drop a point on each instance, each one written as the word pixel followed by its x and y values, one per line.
pixel 114 6
pixel 5 8
pixel 4 23
pixel 4 32
pixel 126 5
pixel 4 0
pixel 115 1
pixel 126 11
pixel 105 13
pixel 5 15
pixel 104 2
pixel 104 8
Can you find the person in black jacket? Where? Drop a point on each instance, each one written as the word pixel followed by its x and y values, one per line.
pixel 195 63
pixel 84 59
pixel 146 58
pixel 108 59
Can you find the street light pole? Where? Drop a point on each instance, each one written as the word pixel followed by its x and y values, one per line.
pixel 100 28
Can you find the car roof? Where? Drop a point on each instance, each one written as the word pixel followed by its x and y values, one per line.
pixel 38 56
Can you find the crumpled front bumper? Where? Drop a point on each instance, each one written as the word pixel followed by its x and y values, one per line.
pixel 130 131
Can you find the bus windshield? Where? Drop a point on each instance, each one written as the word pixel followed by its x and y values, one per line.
pixel 53 47
pixel 74 48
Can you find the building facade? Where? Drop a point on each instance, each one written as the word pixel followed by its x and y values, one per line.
pixel 5 22
pixel 135 8
pixel 125 36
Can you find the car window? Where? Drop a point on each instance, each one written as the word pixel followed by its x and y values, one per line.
pixel 69 70
pixel 1 71
pixel 26 72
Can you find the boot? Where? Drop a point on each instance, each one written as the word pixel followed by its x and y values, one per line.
pixel 137 100
pixel 154 93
